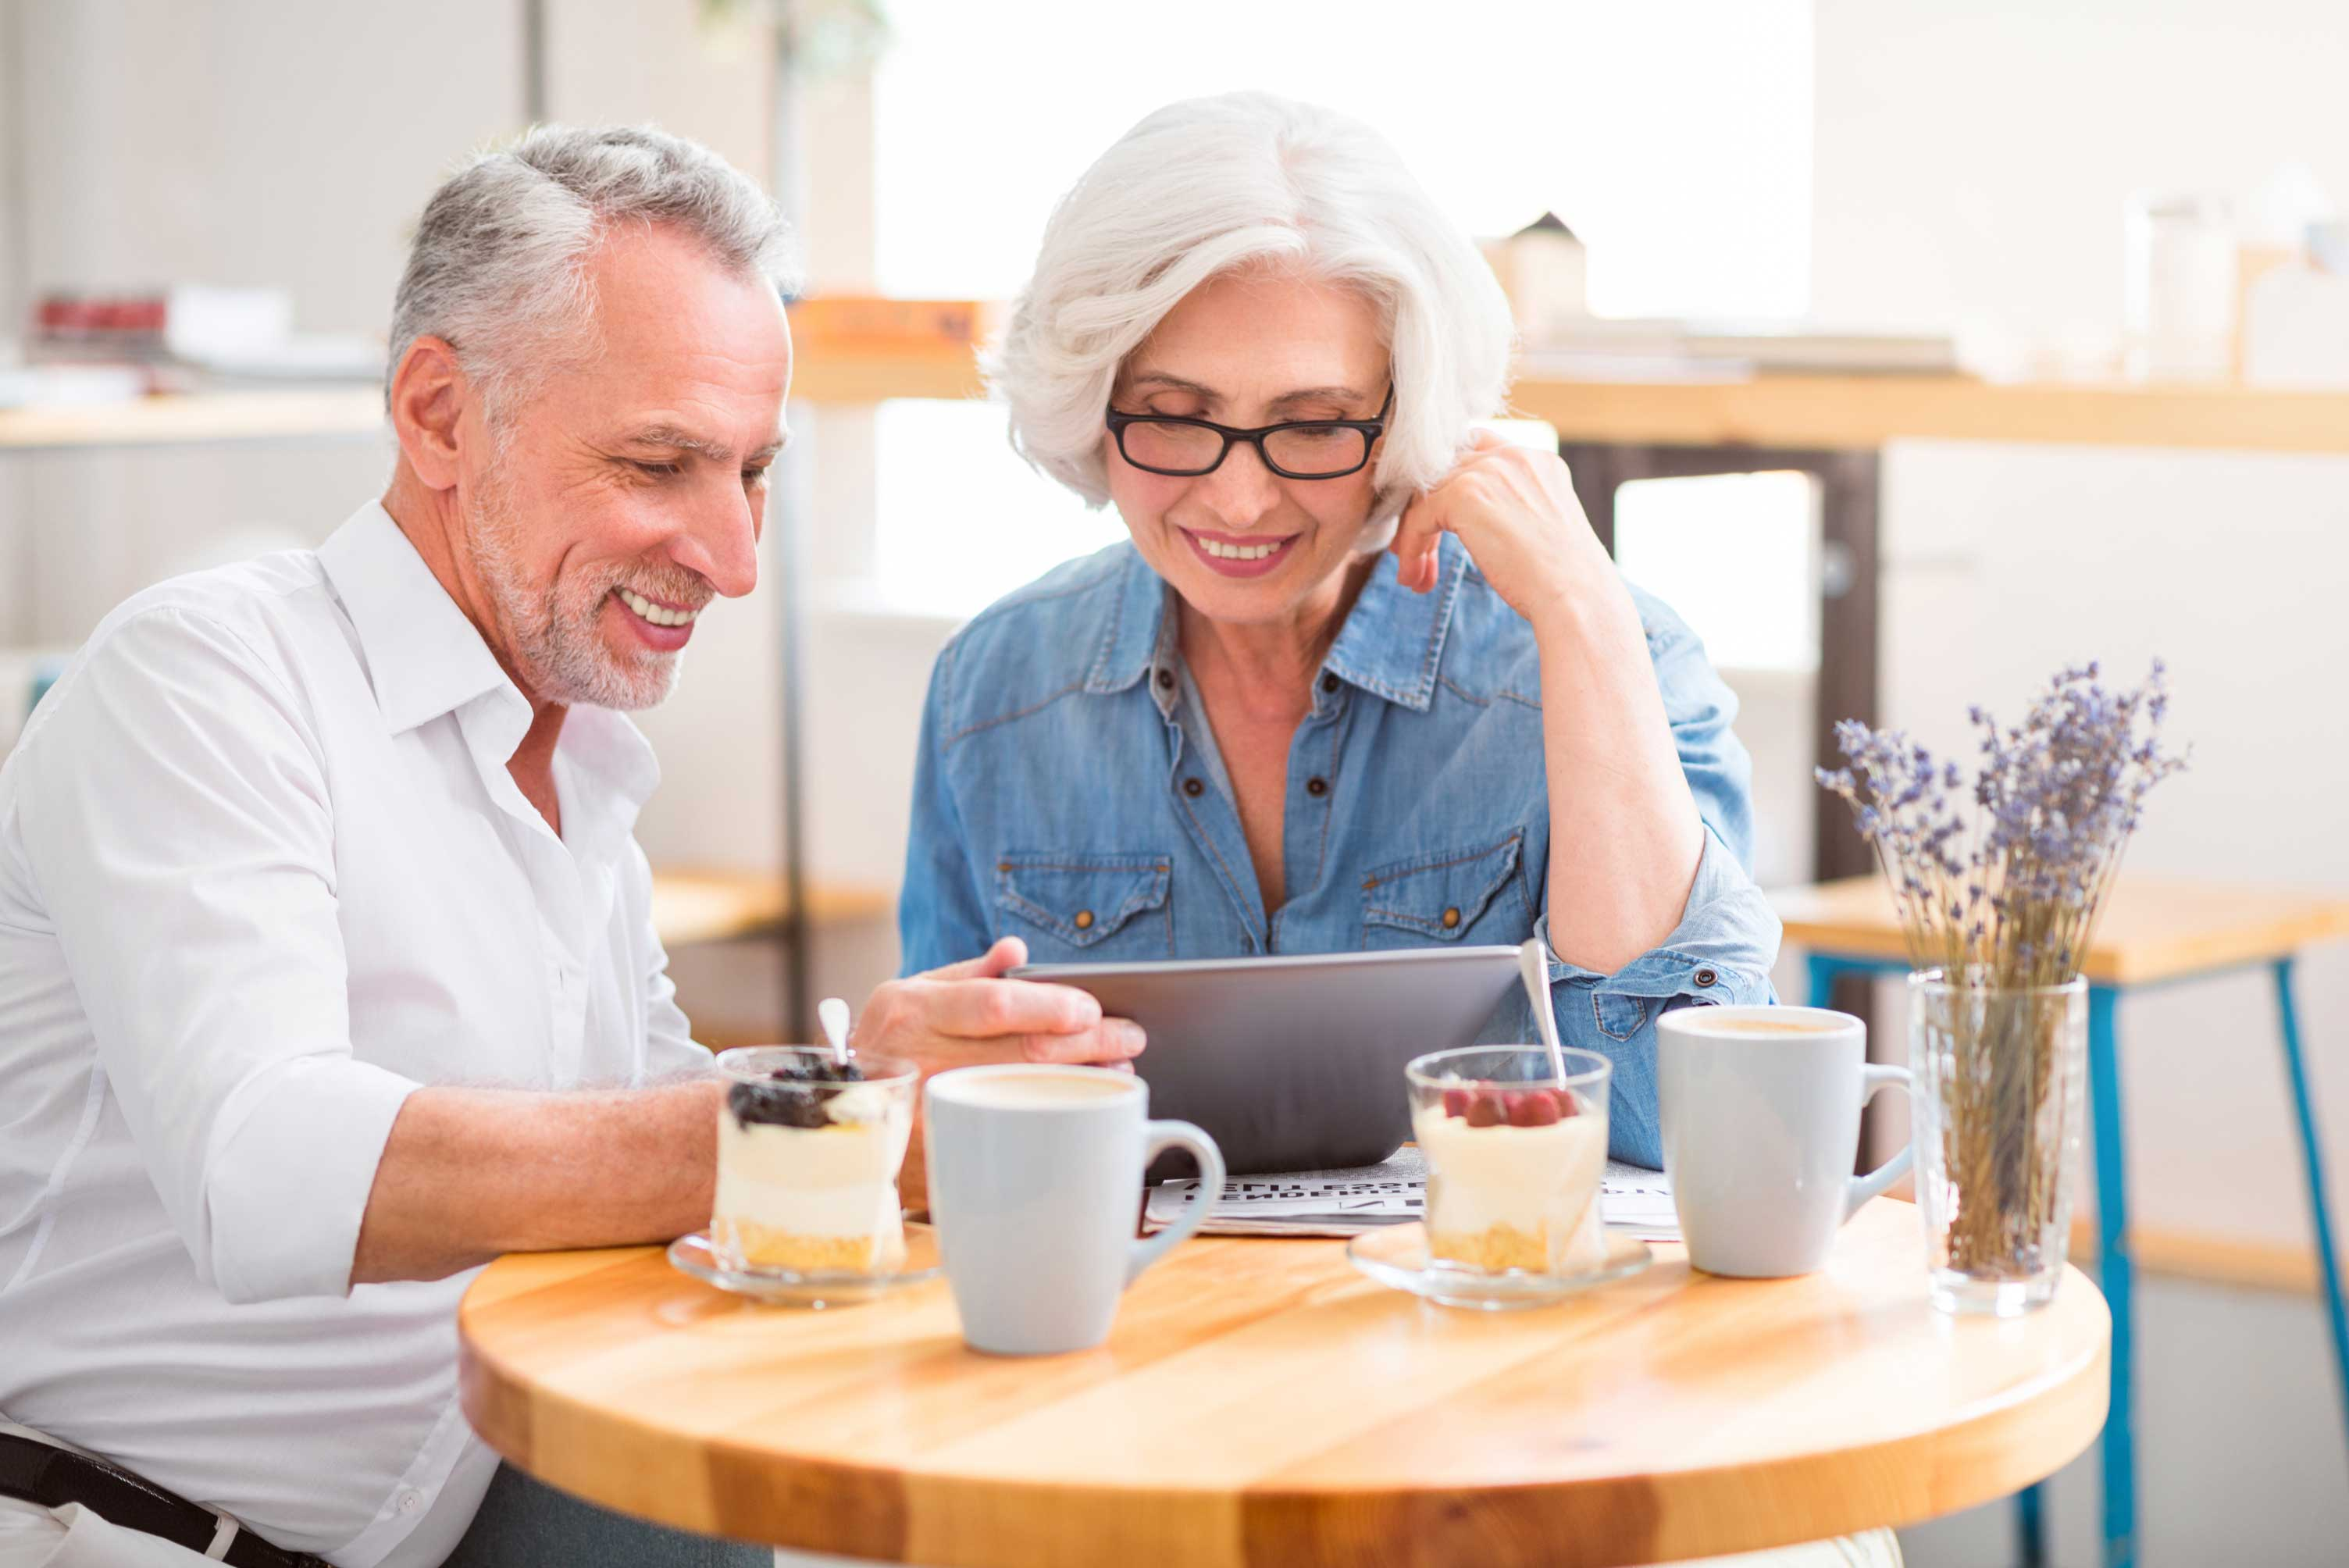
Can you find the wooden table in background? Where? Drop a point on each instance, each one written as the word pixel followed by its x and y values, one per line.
pixel 2154 930
pixel 726 905
pixel 1259 1403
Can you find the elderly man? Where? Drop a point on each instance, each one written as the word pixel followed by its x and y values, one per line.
pixel 325 966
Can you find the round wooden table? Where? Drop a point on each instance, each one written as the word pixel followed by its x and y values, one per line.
pixel 1261 1403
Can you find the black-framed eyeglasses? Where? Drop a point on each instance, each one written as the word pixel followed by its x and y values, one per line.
pixel 1299 450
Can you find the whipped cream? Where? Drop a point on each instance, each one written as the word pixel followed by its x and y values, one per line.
pixel 1536 1181
pixel 840 1180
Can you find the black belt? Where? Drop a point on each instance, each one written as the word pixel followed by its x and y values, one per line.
pixel 53 1477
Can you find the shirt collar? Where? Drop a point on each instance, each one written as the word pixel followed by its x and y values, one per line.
pixel 1129 643
pixel 1391 645
pixel 423 657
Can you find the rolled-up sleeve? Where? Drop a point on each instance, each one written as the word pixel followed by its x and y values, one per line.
pixel 1722 950
pixel 176 816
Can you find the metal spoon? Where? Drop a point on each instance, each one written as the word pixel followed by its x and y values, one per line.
pixel 832 1014
pixel 1533 968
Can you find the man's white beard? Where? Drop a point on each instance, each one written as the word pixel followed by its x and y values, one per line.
pixel 555 640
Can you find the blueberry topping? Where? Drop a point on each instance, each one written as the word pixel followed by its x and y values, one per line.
pixel 793 1096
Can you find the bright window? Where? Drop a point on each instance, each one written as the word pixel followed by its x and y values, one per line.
pixel 1732 555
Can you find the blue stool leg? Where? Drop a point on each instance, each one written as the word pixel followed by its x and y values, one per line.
pixel 2030 1528
pixel 2312 1154
pixel 1823 978
pixel 2115 1273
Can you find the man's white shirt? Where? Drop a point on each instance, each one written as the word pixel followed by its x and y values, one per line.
pixel 263 873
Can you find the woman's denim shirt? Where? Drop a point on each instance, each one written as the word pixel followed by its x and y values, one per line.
pixel 1068 792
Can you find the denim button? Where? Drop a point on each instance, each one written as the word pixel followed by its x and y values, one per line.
pixel 1166 679
pixel 1451 919
pixel 1194 789
pixel 1707 978
pixel 1330 684
pixel 1084 921
pixel 1317 788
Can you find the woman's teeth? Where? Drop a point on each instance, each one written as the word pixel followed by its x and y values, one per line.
pixel 1222 552
pixel 655 613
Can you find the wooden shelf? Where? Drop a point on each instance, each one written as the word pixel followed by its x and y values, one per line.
pixel 1866 411
pixel 1846 412
pixel 703 905
pixel 186 419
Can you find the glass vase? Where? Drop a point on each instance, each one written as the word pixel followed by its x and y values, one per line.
pixel 2001 1073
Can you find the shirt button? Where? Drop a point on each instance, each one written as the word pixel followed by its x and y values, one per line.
pixel 1166 680
pixel 1707 978
pixel 1450 920
pixel 1194 789
pixel 410 1501
pixel 1084 921
pixel 1317 788
pixel 1330 684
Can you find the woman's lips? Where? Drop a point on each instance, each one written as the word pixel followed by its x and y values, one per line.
pixel 1254 557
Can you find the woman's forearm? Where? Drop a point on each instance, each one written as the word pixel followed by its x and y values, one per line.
pixel 1625 837
pixel 469 1173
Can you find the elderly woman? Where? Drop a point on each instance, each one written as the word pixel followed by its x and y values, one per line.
pixel 1363 677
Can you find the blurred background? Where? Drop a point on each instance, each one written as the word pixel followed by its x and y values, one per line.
pixel 1912 349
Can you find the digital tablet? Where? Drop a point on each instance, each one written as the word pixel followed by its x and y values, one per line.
pixel 1294 1063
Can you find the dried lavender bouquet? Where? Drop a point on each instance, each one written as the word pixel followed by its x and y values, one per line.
pixel 2002 901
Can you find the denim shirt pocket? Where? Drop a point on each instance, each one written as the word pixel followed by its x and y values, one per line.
pixel 1087 905
pixel 1444 897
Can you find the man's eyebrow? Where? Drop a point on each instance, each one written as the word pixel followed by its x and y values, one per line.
pixel 685 441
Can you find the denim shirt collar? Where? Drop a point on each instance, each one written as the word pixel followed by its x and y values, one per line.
pixel 1391 644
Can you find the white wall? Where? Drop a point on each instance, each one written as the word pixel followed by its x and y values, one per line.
pixel 1973 165
pixel 1973 160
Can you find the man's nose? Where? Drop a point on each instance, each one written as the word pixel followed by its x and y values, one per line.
pixel 1241 490
pixel 721 540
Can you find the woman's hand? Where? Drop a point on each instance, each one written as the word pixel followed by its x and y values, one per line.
pixel 966 1014
pixel 1515 510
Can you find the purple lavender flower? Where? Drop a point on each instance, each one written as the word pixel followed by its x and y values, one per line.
pixel 2056 798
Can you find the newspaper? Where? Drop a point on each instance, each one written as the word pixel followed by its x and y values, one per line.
pixel 1346 1202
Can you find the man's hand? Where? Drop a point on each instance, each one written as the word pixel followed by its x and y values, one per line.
pixel 966 1014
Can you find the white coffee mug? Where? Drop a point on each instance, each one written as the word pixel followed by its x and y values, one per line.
pixel 1035 1176
pixel 1761 1118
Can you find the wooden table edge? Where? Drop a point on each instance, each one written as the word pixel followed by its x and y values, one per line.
pixel 861 1511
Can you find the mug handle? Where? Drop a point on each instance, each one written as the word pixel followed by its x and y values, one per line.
pixel 1873 1081
pixel 1163 1136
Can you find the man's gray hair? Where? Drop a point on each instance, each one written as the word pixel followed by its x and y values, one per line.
pixel 498 269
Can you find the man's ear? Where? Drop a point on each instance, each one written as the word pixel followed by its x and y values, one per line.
pixel 430 394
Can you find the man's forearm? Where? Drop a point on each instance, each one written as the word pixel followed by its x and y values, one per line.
pixel 469 1173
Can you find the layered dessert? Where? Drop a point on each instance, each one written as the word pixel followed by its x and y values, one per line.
pixel 808 1152
pixel 1513 1177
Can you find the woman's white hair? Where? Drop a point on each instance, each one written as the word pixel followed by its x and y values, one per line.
pixel 499 266
pixel 1211 184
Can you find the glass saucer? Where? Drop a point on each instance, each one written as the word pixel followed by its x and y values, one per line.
pixel 1397 1256
pixel 817 1288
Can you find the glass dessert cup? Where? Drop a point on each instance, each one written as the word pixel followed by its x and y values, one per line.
pixel 808 1155
pixel 1514 1154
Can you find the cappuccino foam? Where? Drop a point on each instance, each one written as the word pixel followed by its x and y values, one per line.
pixel 1036 1090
